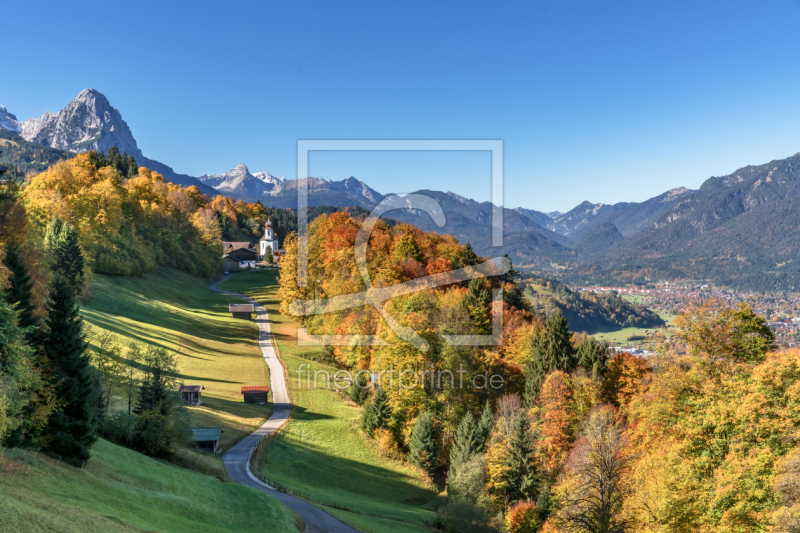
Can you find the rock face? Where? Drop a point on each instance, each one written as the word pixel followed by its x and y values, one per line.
pixel 89 122
pixel 9 121
pixel 266 177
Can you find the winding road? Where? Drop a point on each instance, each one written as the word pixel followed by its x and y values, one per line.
pixel 237 458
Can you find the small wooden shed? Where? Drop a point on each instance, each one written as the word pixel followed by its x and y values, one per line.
pixel 243 311
pixel 207 439
pixel 190 394
pixel 255 394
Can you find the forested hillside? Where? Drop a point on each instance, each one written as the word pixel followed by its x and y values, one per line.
pixel 560 436
pixel 588 311
pixel 19 157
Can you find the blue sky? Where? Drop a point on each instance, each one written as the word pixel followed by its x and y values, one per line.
pixel 602 101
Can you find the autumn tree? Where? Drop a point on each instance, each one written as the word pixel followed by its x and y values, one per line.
pixel 558 422
pixel 593 489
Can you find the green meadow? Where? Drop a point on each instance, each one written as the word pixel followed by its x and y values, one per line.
pixel 176 311
pixel 120 490
pixel 321 452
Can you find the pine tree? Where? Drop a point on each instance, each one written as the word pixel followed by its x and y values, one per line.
pixel 469 257
pixel 551 349
pixel 68 261
pixel 377 412
pixel 53 232
pixel 20 293
pixel 521 476
pixel 424 451
pixel 484 428
pixel 464 445
pixel 592 356
pixel 17 372
pixel 358 390
pixel 71 430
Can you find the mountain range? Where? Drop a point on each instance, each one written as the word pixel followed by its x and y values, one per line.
pixel 739 229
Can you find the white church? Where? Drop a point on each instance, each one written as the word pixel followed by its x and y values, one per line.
pixel 268 240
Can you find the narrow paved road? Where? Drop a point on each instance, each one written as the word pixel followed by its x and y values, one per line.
pixel 236 459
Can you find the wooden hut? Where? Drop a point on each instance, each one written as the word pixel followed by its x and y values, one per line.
pixel 243 311
pixel 190 394
pixel 206 439
pixel 255 394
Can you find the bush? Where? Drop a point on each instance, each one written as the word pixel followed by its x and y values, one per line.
pixel 523 518
pixel 387 443
pixel 119 428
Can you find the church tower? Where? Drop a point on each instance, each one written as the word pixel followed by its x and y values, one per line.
pixel 268 239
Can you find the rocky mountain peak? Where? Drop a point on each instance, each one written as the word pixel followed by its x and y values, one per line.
pixel 89 122
pixel 8 121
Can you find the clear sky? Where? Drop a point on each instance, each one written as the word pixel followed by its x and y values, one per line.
pixel 604 101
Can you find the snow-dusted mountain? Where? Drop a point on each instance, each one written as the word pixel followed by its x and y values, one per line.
pixel 238 181
pixel 266 177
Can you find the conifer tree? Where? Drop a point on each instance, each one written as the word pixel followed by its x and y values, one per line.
pixel 358 390
pixel 484 428
pixel 71 430
pixel 424 451
pixel 469 257
pixel 377 412
pixel 464 444
pixel 20 292
pixel 592 356
pixel 68 261
pixel 521 476
pixel 551 349
pixel 17 372
pixel 53 232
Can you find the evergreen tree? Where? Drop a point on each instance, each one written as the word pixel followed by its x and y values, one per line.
pixel 161 424
pixel 484 428
pixel 20 293
pixel 464 445
pixel 68 261
pixel 53 232
pixel 17 372
pixel 551 349
pixel 71 430
pixel 358 390
pixel 592 356
pixel 521 476
pixel 424 451
pixel 477 301
pixel 469 257
pixel 377 412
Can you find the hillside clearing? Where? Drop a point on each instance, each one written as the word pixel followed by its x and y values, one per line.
pixel 173 310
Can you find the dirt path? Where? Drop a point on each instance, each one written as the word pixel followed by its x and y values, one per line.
pixel 237 458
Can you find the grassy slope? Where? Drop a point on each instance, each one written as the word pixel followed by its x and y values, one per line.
pixel 176 311
pixel 122 491
pixel 322 453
